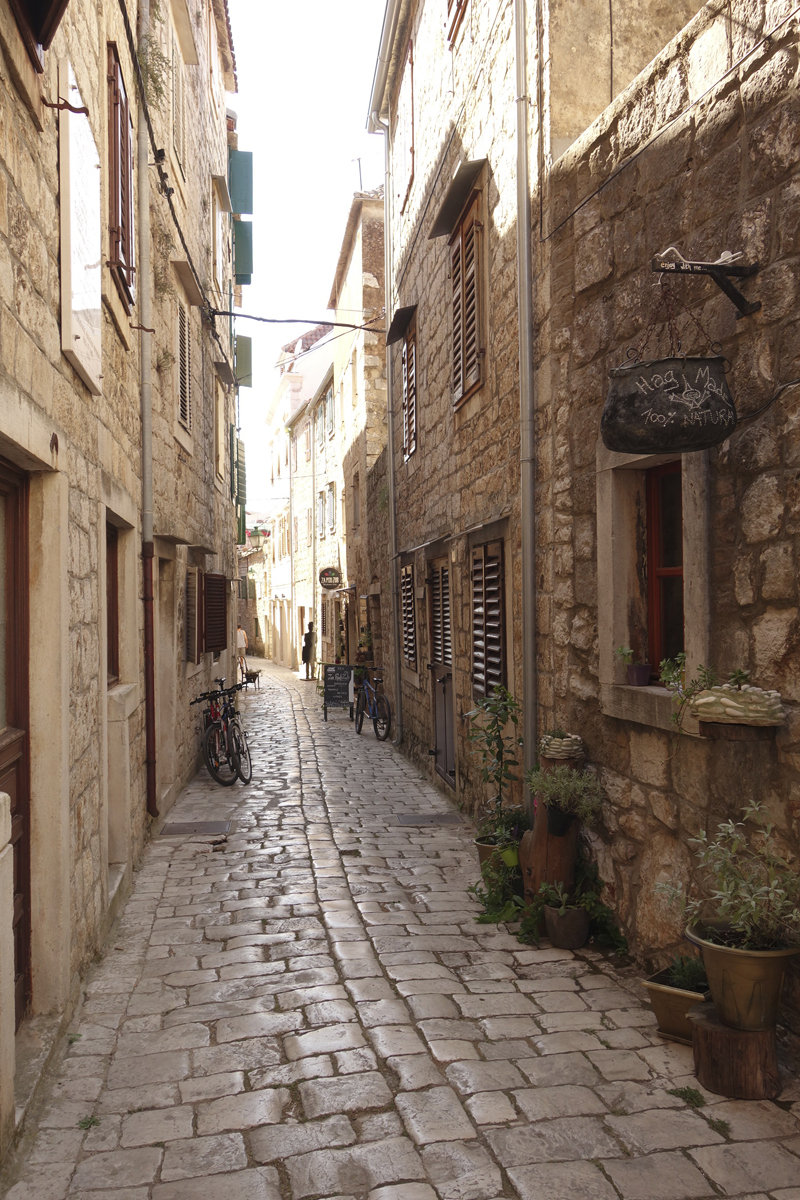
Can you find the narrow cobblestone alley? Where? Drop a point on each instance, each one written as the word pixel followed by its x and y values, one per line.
pixel 306 1008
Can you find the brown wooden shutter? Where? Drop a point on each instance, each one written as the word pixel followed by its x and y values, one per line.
pixel 120 170
pixel 441 632
pixel 455 15
pixel 409 622
pixel 184 366
pixel 488 619
pixel 38 23
pixel 465 278
pixel 410 393
pixel 323 612
pixel 192 614
pixel 215 613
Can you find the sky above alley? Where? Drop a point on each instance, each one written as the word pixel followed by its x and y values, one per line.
pixel 304 73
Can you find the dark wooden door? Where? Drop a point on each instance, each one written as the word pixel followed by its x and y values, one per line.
pixel 14 743
pixel 442 671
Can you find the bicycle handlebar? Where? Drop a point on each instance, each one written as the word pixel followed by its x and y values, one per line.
pixel 236 687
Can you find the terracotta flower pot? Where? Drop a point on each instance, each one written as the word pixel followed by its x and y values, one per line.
pixel 745 985
pixel 485 850
pixel 568 930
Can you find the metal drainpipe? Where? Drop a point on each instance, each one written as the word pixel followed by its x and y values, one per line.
pixel 145 343
pixel 387 269
pixel 527 396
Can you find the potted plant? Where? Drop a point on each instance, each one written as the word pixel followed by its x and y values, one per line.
pixel 638 673
pixel 493 733
pixel 747 924
pixel 567 795
pixel 737 704
pixel 559 744
pixel 571 916
pixel 673 991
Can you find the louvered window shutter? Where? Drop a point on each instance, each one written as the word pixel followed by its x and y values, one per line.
pixel 241 475
pixel 192 611
pixel 215 613
pixel 178 105
pixel 441 634
pixel 120 171
pixel 323 612
pixel 488 619
pixel 184 367
pixel 465 277
pixel 409 621
pixel 409 393
pixel 233 461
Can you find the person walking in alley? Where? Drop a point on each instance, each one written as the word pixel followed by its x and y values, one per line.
pixel 241 649
pixel 309 650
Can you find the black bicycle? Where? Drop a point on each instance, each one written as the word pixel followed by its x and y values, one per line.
pixel 225 750
pixel 375 706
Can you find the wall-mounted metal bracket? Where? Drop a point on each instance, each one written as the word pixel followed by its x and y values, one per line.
pixel 719 272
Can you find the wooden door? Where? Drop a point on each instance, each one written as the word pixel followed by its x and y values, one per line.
pixel 441 668
pixel 14 742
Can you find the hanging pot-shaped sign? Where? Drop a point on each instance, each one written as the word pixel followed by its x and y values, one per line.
pixel 668 406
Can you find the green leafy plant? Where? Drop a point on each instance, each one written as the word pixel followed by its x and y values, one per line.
pixel 672 673
pixel 576 792
pixel 556 733
pixel 88 1122
pixel 750 889
pixel 493 745
pixel 719 1126
pixel 738 677
pixel 499 892
pixel 625 653
pixel 689 973
pixel 586 895
pixel 155 67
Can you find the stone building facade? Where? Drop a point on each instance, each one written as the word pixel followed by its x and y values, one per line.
pixel 79 278
pixel 692 151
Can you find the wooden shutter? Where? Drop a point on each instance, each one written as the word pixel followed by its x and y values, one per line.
pixel 488 619
pixel 409 621
pixel 410 393
pixel 241 475
pixel 178 104
pixel 441 633
pixel 192 613
pixel 455 15
pixel 38 23
pixel 215 613
pixel 184 367
pixel 120 172
pixel 112 603
pixel 465 276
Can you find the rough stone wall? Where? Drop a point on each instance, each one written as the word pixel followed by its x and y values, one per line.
pixel 723 174
pixel 465 471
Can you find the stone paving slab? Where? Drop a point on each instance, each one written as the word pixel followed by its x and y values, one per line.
pixel 305 1009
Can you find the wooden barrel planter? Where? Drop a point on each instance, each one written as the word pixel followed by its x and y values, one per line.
pixel 668 406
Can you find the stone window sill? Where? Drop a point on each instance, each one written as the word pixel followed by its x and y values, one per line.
pixel 649 705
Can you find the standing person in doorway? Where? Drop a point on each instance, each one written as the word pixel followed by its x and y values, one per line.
pixel 310 650
pixel 241 649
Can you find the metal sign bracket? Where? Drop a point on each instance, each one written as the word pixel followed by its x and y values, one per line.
pixel 720 272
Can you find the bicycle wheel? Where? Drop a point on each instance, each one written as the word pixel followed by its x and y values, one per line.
pixel 382 719
pixel 242 751
pixel 361 705
pixel 215 756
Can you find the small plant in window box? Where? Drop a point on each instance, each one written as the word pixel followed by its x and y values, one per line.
pixel 673 991
pixel 735 711
pixel 638 673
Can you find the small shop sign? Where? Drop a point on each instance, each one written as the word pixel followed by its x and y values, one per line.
pixel 330 577
pixel 337 687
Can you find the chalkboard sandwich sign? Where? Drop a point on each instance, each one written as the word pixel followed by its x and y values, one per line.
pixel 337 687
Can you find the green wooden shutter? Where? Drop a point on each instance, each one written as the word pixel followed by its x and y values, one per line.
pixel 244 361
pixel 242 250
pixel 240 177
pixel 241 474
pixel 233 461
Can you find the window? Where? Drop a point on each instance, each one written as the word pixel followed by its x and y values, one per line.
pixel 294 452
pixel 309 526
pixel 354 378
pixel 329 412
pixel 455 15
pixel 178 104
pixel 441 633
pixel 410 392
pixel 120 182
pixel 321 514
pixel 38 21
pixel 320 418
pixel 664 562
pixel 112 603
pixel 331 506
pixel 356 502
pixel 307 440
pixel 323 616
pixel 465 276
pixel 192 615
pixel 219 431
pixel 183 367
pixel 343 516
pixel 294 533
pixel 403 144
pixel 409 621
pixel 215 74
pixel 219 239
pixel 488 619
pixel 215 613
